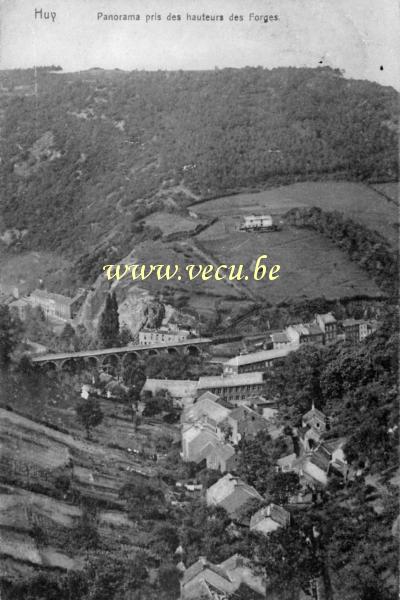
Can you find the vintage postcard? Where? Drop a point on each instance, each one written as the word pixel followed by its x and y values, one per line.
pixel 199 299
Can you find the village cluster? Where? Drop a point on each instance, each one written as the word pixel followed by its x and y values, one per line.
pixel 219 415
pixel 220 412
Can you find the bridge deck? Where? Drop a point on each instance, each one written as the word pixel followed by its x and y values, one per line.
pixel 119 350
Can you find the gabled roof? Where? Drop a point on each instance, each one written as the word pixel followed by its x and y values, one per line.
pixel 334 443
pixel 232 493
pixel 205 406
pixel 272 511
pixel 208 395
pixel 200 565
pixel 223 451
pixel 314 329
pixel 320 459
pixel 244 412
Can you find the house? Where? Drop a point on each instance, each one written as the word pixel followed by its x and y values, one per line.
pixel 163 335
pixel 244 421
pixel 305 334
pixel 267 408
pixel 56 305
pixel 372 326
pixel 182 391
pixel 279 340
pixel 202 578
pixel 309 438
pixel 209 581
pixel 354 330
pixel 285 464
pixel 223 458
pixel 198 442
pixel 338 458
pixel 257 223
pixel 242 574
pixel 269 518
pixel 314 467
pixel 256 361
pixel 233 388
pixel 206 408
pixel 231 493
pixel 328 325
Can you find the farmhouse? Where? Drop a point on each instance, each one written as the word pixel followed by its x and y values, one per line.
pixel 257 223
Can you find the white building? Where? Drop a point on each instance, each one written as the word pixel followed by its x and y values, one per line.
pixel 163 335
pixel 257 222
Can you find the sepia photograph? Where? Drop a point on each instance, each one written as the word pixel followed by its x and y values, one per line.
pixel 199 310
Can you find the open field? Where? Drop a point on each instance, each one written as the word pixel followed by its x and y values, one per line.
pixel 355 200
pixel 310 264
pixel 172 222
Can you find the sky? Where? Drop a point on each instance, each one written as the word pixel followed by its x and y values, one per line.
pixel 361 37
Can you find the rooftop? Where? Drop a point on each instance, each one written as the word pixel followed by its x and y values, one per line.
pixel 280 337
pixel 216 381
pixel 205 407
pixel 327 318
pixel 260 356
pixel 351 322
pixel 60 298
pixel 201 564
pixel 272 511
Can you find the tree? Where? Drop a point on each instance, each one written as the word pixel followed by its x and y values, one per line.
pixel 67 338
pixel 283 485
pixel 115 576
pixel 145 499
pixel 89 414
pixel 125 335
pixel 108 330
pixel 10 334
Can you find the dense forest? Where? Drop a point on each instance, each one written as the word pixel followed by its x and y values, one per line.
pixel 84 156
